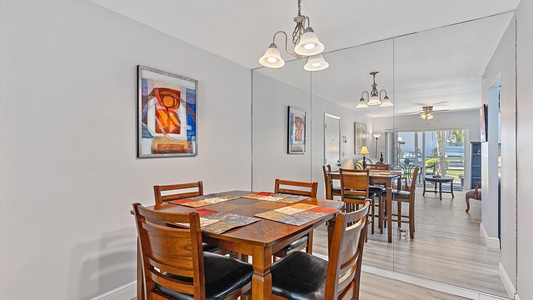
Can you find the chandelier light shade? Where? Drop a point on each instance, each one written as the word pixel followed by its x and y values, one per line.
pixel 374 97
pixel 305 43
pixel 427 113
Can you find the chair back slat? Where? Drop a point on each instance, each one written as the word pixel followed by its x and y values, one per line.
pixel 296 187
pixel 413 181
pixel 346 252
pixel 164 193
pixel 378 166
pixel 168 248
pixel 354 183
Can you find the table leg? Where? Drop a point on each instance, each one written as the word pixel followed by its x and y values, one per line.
pixel 424 192
pixel 389 211
pixel 262 279
pixel 451 187
pixel 440 190
pixel 328 188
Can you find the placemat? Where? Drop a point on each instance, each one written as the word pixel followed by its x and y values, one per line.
pixel 284 198
pixel 200 201
pixel 297 214
pixel 219 222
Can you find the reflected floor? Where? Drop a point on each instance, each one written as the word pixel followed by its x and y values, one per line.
pixel 447 246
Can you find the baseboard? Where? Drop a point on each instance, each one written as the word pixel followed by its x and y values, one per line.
pixel 490 242
pixel 516 297
pixel 125 292
pixel 507 283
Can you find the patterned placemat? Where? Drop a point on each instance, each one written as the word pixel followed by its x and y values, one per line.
pixel 200 201
pixel 284 198
pixel 219 222
pixel 297 214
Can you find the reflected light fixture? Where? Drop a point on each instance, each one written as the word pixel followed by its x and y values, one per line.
pixel 376 136
pixel 374 97
pixel 427 113
pixel 306 44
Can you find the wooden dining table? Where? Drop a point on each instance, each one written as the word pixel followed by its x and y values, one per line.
pixel 378 177
pixel 258 240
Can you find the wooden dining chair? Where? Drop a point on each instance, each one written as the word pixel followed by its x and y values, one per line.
pixel 299 188
pixel 165 193
pixel 355 189
pixel 409 198
pixel 378 166
pixel 331 191
pixel 174 265
pixel 304 276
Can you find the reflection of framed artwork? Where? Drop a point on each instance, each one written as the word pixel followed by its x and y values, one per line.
pixel 483 124
pixel 359 137
pixel 296 133
pixel 166 119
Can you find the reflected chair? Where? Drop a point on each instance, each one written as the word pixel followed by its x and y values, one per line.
pixel 299 188
pixel 378 166
pixel 174 265
pixel 409 198
pixel 355 190
pixel 304 276
pixel 165 193
pixel 331 191
pixel 472 194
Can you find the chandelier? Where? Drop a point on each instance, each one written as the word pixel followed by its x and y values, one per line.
pixel 306 44
pixel 374 97
pixel 427 113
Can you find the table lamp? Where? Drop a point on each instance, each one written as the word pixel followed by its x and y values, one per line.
pixel 364 151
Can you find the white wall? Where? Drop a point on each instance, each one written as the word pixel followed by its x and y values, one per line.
pixel 69 171
pixel 501 69
pixel 524 145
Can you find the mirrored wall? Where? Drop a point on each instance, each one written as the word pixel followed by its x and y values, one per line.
pixel 416 70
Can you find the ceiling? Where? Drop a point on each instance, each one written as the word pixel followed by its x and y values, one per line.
pixel 427 52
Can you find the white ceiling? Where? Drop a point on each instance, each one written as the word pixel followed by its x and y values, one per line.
pixel 428 63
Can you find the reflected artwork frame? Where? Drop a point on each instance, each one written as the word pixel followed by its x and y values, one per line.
pixel 296 130
pixel 359 130
pixel 166 114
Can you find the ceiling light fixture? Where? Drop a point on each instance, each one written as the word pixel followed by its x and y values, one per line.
pixel 306 44
pixel 427 113
pixel 374 97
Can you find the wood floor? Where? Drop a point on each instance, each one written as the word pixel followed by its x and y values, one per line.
pixel 447 248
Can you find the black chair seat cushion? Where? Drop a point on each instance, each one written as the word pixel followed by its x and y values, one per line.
pixel 378 190
pixel 370 196
pixel 336 191
pixel 223 276
pixel 401 194
pixel 296 243
pixel 299 276
pixel 209 247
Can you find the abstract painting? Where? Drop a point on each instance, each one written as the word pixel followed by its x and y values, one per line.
pixel 166 114
pixel 296 132
pixel 359 137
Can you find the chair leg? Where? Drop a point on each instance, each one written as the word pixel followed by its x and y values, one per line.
pixel 399 214
pixel 467 200
pixel 373 212
pixel 309 247
pixel 411 221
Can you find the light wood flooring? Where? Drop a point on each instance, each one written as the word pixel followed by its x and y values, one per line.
pixel 447 247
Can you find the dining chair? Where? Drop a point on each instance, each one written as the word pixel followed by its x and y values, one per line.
pixel 169 192
pixel 409 198
pixel 299 188
pixel 378 166
pixel 174 265
pixel 328 181
pixel 355 190
pixel 304 276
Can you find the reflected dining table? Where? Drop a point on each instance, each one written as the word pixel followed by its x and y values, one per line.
pixel 258 240
pixel 380 177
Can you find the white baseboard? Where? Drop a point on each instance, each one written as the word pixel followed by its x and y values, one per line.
pixel 507 283
pixel 125 292
pixel 490 242
pixel 516 297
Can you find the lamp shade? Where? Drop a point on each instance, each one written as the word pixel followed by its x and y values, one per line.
pixel 316 63
pixel 374 101
pixel 376 135
pixel 386 102
pixel 309 44
pixel 364 150
pixel 362 104
pixel 272 58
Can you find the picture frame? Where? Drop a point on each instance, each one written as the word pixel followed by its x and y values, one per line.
pixel 297 125
pixel 360 135
pixel 483 123
pixel 166 114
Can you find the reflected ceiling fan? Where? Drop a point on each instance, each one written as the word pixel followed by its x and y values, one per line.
pixel 427 112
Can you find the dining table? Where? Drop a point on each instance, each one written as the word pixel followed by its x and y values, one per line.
pixel 380 177
pixel 258 240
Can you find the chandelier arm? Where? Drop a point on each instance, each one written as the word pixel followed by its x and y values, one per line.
pixel 367 95
pixel 286 39
pixel 384 91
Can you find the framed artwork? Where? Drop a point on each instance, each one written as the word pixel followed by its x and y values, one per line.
pixel 296 131
pixel 166 119
pixel 483 122
pixel 359 137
